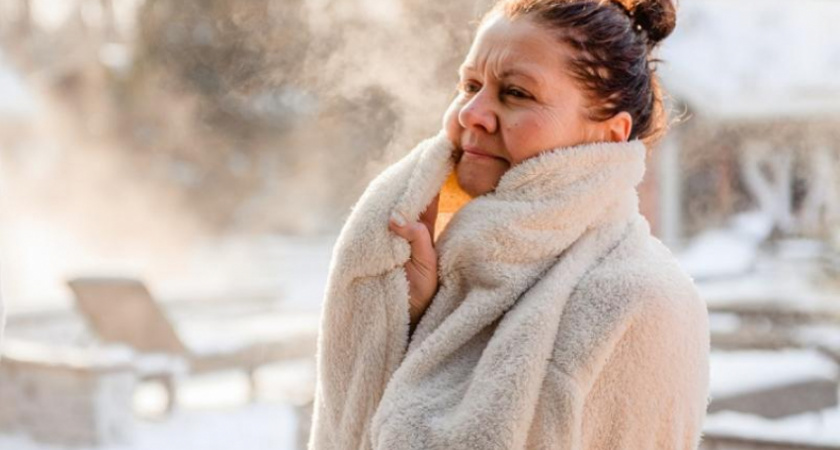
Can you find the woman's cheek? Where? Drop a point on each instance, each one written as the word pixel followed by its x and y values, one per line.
pixel 450 121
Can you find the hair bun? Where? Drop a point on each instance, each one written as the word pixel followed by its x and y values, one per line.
pixel 657 17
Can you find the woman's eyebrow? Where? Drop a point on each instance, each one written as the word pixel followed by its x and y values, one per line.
pixel 506 73
pixel 523 74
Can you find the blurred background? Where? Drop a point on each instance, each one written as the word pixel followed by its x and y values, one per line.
pixel 174 173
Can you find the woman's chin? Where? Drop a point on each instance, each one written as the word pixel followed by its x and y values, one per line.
pixel 476 184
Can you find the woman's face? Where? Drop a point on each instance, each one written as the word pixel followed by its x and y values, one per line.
pixel 515 99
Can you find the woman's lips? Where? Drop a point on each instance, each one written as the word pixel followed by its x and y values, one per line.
pixel 476 153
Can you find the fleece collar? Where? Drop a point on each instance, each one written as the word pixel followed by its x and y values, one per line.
pixel 537 210
pixel 502 242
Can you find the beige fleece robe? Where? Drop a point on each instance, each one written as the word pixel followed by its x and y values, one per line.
pixel 560 322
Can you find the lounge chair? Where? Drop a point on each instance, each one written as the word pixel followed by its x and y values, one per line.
pixel 122 310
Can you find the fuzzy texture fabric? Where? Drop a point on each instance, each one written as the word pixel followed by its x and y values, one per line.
pixel 560 322
pixel 2 326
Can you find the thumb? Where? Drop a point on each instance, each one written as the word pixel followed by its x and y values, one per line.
pixel 419 239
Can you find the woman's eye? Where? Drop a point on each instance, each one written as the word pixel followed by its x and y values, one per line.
pixel 517 93
pixel 470 87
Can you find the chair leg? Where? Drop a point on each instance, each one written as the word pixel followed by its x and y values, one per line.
pixel 171 393
pixel 252 384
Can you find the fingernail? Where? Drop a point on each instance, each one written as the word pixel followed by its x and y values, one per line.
pixel 398 219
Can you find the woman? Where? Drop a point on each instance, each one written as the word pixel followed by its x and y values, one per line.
pixel 544 315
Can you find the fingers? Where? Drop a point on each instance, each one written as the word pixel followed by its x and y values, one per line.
pixel 429 216
pixel 419 237
pixel 421 269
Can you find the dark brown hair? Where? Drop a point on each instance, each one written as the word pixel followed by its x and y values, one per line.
pixel 611 42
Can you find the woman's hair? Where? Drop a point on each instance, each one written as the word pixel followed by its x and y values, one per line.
pixel 611 43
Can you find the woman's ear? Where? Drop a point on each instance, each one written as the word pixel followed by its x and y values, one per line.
pixel 618 127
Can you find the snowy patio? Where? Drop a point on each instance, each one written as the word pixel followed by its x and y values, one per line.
pixel 214 414
pixel 773 293
pixel 62 388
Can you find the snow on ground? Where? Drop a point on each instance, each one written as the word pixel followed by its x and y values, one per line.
pixel 819 427
pixel 772 288
pixel 259 426
pixel 729 265
pixel 739 241
pixel 213 337
pixel 771 284
pixel 733 372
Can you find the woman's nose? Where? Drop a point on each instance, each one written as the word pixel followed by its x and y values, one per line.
pixel 479 112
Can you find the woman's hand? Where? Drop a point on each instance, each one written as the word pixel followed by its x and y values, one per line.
pixel 422 268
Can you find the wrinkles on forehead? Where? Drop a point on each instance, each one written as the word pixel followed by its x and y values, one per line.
pixel 511 49
pixel 503 70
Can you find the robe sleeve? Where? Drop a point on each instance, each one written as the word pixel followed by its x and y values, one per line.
pixel 652 392
pixel 2 325
pixel 363 333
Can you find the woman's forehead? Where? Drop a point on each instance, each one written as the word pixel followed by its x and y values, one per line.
pixel 507 47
